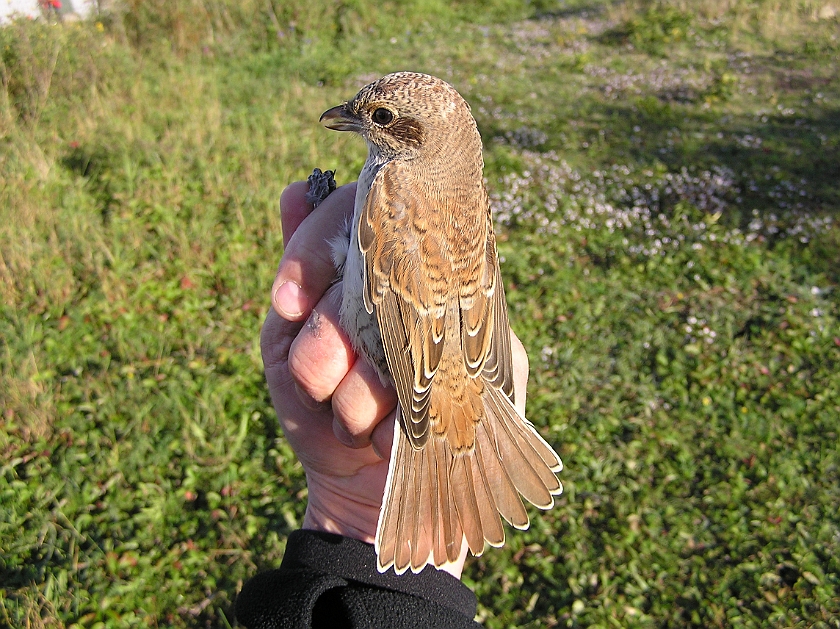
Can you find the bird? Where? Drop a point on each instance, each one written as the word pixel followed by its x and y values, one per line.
pixel 423 302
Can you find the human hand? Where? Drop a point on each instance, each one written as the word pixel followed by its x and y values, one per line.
pixel 330 404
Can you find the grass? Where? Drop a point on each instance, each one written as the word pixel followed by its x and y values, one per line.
pixel 664 177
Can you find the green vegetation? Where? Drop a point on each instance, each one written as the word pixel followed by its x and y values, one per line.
pixel 665 179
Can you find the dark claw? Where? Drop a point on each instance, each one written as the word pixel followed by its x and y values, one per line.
pixel 321 184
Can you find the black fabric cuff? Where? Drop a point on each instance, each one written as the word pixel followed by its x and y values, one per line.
pixel 328 580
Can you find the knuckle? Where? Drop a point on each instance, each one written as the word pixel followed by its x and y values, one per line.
pixel 306 374
pixel 354 417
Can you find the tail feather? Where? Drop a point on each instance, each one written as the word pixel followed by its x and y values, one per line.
pixel 491 524
pixel 438 543
pixel 463 491
pixel 451 532
pixel 421 538
pixel 515 444
pixel 526 429
pixel 507 500
pixel 407 514
pixel 386 529
pixel 435 498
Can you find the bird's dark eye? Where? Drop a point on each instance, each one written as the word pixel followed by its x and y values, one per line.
pixel 382 116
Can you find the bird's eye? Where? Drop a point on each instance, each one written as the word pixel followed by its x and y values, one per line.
pixel 382 116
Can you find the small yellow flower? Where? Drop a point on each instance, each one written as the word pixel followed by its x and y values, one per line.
pixel 100 27
pixel 743 409
pixel 706 400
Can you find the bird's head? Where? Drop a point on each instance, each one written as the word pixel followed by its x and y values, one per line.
pixel 406 114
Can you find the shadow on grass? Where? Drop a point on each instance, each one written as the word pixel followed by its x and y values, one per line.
pixel 546 9
pixel 785 164
pixel 796 154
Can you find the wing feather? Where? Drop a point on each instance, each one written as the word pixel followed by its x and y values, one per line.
pixel 409 311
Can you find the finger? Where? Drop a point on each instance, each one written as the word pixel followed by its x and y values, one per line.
pixel 276 338
pixel 321 354
pixel 324 366
pixel 382 437
pixel 307 269
pixel 360 402
pixel 293 208
pixel 520 371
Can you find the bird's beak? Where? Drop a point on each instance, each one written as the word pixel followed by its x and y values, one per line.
pixel 339 119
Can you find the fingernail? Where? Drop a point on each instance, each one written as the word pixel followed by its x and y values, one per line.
pixel 290 299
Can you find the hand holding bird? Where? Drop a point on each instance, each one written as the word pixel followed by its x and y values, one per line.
pixel 333 408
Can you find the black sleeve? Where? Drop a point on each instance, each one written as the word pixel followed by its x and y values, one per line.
pixel 331 581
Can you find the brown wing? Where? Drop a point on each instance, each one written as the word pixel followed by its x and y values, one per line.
pixel 428 268
pixel 404 288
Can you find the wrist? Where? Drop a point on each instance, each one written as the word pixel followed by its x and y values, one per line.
pixel 360 525
pixel 333 511
pixel 347 525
